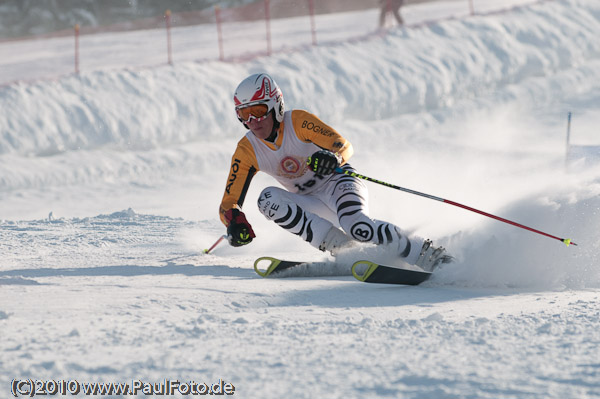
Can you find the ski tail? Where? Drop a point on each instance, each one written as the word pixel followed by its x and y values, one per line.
pixel 370 272
pixel 274 265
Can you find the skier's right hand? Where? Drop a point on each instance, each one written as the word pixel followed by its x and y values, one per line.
pixel 239 231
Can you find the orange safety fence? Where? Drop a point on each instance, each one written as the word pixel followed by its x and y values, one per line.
pixel 260 28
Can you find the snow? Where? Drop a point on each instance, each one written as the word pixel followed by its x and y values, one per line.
pixel 110 183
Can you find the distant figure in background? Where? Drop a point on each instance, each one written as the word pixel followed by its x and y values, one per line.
pixel 390 6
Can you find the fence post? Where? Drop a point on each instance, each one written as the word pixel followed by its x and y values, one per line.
pixel 168 25
pixel 268 23
pixel 568 140
pixel 219 33
pixel 471 8
pixel 313 29
pixel 77 48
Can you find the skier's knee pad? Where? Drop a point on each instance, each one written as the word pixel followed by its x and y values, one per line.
pixel 272 201
pixel 360 227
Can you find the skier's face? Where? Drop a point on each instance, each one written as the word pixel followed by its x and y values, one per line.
pixel 262 129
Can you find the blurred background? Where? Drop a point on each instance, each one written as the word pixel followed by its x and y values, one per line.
pixel 42 17
pixel 46 39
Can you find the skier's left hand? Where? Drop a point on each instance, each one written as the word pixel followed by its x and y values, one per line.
pixel 323 162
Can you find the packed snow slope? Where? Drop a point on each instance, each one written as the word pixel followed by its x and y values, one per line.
pixel 110 183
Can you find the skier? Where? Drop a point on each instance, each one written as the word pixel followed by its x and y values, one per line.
pixel 301 152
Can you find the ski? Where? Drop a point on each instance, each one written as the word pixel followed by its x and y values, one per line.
pixel 370 272
pixel 274 266
pixel 363 270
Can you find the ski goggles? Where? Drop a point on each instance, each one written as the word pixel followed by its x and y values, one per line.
pixel 258 112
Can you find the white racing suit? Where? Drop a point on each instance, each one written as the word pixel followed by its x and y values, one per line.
pixel 310 205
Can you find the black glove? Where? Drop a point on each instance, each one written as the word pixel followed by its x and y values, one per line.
pixel 239 231
pixel 323 162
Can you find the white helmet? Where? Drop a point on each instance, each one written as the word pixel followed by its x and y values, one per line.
pixel 260 88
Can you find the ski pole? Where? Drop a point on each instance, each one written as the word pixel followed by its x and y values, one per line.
pixel 205 251
pixel 567 241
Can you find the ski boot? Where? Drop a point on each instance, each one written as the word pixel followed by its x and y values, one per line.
pixel 430 257
pixel 336 240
